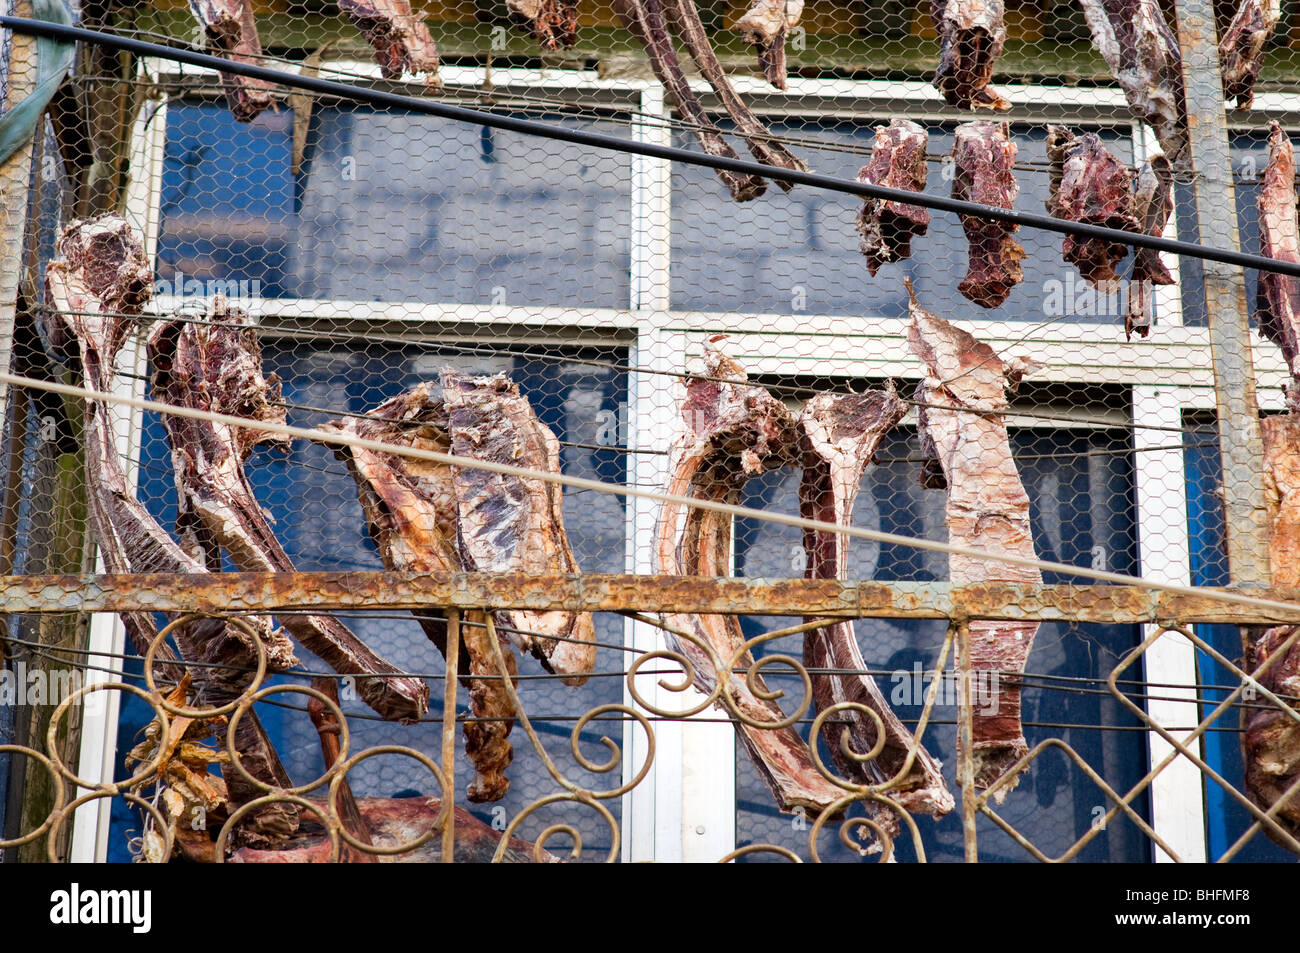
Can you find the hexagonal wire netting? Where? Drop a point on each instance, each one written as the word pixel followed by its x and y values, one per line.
pixel 374 249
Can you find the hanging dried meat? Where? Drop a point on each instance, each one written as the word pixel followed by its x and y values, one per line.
pixel 839 437
pixel 971 36
pixel 765 25
pixel 897 162
pixel 1090 186
pixel 964 437
pixel 984 155
pixel 686 22
pixel 645 20
pixel 553 23
pixel 410 510
pixel 1241 51
pixel 1270 740
pixel 1271 737
pixel 1278 300
pixel 217 367
pixel 97 289
pixel 514 524
pixel 231 33
pixel 1142 52
pixel 730 431
pixel 1153 203
pixel 401 41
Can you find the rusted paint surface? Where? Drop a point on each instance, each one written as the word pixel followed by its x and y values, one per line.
pixel 241 592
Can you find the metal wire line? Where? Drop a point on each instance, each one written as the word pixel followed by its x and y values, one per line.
pixel 40 650
pixel 1287 609
pixel 495 96
pixel 796 390
pixel 650 716
pixel 618 144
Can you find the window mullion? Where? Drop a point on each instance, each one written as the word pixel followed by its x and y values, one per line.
pixel 1177 799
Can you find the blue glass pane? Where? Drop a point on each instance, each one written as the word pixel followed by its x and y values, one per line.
pixel 227 203
pixel 1249 154
pixel 390 206
pixel 1080 485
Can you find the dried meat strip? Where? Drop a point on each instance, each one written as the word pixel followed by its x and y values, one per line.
pixel 965 438
pixel 897 162
pixel 839 437
pixel 983 157
pixel 730 431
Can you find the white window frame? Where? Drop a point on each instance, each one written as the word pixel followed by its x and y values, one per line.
pixel 683 810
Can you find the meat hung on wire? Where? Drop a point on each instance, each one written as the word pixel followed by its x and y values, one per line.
pixel 649 21
pixel 1271 735
pixel 401 41
pixel 964 438
pixel 1153 204
pixel 411 514
pixel 1089 185
pixel 971 36
pixel 765 25
pixel 730 431
pixel 897 162
pixel 230 30
pixel 1241 50
pixel 839 435
pixel 984 156
pixel 1142 52
pixel 98 289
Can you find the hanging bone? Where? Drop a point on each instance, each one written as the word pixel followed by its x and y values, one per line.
pixel 839 437
pixel 645 20
pixel 686 22
pixel 971 36
pixel 983 155
pixel 217 367
pixel 97 289
pixel 1241 51
pixel 765 26
pixel 897 162
pixel 964 438
pixel 231 33
pixel 410 510
pixel 730 431
pixel 401 41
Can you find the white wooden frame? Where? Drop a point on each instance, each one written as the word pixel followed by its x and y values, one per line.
pixel 678 812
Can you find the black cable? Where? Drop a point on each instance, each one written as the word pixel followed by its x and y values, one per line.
pixel 387 100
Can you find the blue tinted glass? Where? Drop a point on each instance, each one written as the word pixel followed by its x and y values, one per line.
pixel 1080 486
pixel 389 206
pixel 227 203
pixel 1249 154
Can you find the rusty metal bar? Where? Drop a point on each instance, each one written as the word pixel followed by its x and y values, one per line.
pixel 263 592
pixel 449 734
pixel 1240 446
pixel 970 799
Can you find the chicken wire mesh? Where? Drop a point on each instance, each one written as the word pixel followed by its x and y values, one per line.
pixel 374 249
